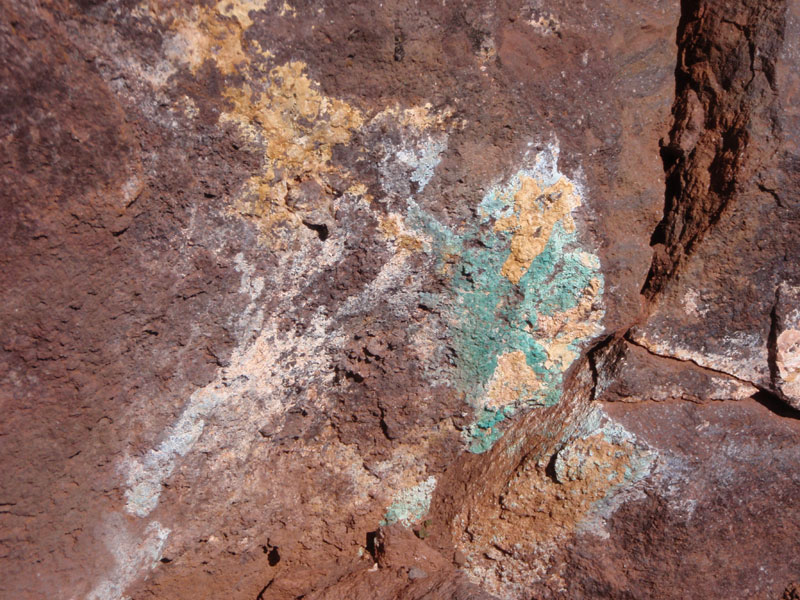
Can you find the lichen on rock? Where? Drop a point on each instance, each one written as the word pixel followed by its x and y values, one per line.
pixel 551 497
pixel 521 285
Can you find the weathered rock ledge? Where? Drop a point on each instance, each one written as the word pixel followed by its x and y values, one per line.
pixel 316 299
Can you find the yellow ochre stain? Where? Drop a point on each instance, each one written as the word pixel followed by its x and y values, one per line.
pixel 280 112
pixel 287 8
pixel 212 33
pixel 393 228
pixel 204 36
pixel 240 9
pixel 296 128
pixel 421 118
pixel 536 211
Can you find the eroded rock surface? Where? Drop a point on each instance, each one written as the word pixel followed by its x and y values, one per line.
pixel 407 300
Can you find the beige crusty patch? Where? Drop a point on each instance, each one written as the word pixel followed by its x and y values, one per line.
pixel 788 363
pixel 538 509
pixel 513 379
pixel 561 329
pixel 211 33
pixel 536 211
pixel 296 127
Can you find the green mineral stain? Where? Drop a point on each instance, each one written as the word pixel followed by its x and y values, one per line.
pixel 487 315
pixel 410 505
pixel 484 432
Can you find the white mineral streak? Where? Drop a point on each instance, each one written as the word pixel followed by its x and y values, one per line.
pixel 414 157
pixel 132 554
pixel 693 305
pixel 254 386
pixel 254 367
pixel 745 355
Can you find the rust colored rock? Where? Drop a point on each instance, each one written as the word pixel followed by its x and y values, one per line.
pixel 629 373
pixel 353 299
pixel 729 235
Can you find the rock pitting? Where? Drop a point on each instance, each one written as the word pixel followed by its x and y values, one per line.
pixel 406 300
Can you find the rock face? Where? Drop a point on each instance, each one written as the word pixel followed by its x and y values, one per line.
pixel 729 235
pixel 406 300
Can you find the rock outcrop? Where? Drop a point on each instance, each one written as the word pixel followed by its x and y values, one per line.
pixel 316 299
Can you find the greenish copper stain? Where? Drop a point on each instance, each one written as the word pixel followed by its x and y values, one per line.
pixel 484 432
pixel 411 504
pixel 488 316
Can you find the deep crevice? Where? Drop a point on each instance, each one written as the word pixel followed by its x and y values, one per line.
pixel 264 589
pixel 772 341
pixel 714 372
pixel 371 544
pixel 319 228
pixel 591 357
pixel 273 556
pixel 774 404
pixel 693 205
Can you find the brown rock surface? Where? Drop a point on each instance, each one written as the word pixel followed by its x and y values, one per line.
pixel 728 239
pixel 351 300
pixel 718 498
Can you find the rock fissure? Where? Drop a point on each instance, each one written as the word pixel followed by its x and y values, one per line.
pixel 704 155
pixel 667 357
pixel 412 300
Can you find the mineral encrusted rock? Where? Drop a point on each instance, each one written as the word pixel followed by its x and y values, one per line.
pixel 400 299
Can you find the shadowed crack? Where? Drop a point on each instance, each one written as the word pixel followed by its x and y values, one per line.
pixel 629 339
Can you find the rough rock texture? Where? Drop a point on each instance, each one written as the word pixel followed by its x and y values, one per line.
pixel 728 240
pixel 408 300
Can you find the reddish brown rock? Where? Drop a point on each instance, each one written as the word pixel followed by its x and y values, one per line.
pixel 629 373
pixel 324 299
pixel 719 497
pixel 729 235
